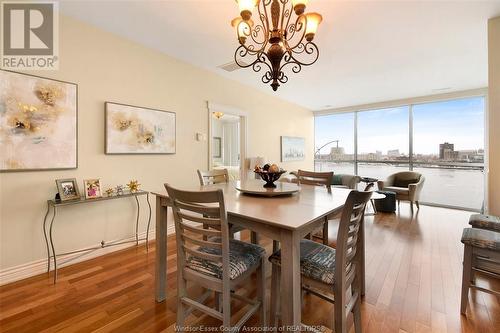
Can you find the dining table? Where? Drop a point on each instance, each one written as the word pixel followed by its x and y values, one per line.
pixel 287 219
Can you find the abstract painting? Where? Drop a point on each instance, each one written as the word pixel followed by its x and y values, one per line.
pixel 138 130
pixel 292 148
pixel 38 123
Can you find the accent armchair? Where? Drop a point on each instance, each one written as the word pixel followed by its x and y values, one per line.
pixel 338 180
pixel 406 184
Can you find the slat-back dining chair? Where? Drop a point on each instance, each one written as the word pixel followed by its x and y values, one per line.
pixel 331 274
pixel 318 179
pixel 335 222
pixel 217 264
pixel 209 177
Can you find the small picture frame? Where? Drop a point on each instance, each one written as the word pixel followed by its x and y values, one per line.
pixel 217 147
pixel 92 188
pixel 67 189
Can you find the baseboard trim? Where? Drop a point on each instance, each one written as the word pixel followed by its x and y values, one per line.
pixel 20 272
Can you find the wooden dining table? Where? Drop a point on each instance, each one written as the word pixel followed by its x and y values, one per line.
pixel 286 219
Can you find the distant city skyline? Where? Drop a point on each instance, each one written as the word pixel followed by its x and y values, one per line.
pixel 460 122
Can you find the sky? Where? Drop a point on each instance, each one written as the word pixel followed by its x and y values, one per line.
pixel 458 121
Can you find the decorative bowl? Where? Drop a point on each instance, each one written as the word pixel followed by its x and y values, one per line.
pixel 270 177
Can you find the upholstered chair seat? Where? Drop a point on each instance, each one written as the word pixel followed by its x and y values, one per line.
pixel 242 257
pixel 317 261
pixel 488 222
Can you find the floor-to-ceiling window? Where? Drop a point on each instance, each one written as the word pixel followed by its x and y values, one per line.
pixel 448 149
pixel 335 143
pixel 383 142
pixel 442 140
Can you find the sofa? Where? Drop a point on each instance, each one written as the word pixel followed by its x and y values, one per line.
pixel 339 180
pixel 406 184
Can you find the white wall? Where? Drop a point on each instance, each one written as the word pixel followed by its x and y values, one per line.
pixel 494 115
pixel 110 68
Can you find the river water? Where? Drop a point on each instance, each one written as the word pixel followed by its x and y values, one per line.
pixel 453 187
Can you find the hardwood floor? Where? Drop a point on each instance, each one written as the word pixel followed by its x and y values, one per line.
pixel 413 285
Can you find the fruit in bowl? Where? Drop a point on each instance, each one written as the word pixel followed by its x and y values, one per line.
pixel 269 173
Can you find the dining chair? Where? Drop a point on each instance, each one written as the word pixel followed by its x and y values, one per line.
pixel 481 255
pixel 318 179
pixel 217 264
pixel 335 222
pixel 210 177
pixel 331 274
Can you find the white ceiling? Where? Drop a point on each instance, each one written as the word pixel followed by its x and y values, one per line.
pixel 370 51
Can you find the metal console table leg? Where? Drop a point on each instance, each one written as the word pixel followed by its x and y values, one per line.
pixel 149 222
pixel 52 244
pixel 46 238
pixel 137 221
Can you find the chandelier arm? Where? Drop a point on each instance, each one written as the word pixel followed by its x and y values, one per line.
pixel 311 49
pixel 264 17
pixel 251 48
pixel 254 32
pixel 283 78
pixel 260 59
pixel 284 14
pixel 299 26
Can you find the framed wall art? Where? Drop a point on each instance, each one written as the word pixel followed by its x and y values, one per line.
pixel 38 123
pixel 292 148
pixel 139 130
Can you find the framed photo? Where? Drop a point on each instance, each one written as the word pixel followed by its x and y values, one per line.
pixel 92 188
pixel 38 123
pixel 216 147
pixel 292 148
pixel 67 189
pixel 138 130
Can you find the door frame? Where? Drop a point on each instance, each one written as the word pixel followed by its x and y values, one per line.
pixel 214 107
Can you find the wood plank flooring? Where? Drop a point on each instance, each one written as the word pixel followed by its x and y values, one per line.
pixel 413 285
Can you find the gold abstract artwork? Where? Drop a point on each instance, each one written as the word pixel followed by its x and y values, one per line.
pixel 137 130
pixel 38 121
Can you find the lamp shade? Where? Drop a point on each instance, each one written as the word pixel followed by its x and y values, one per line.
pixel 242 28
pixel 246 8
pixel 299 6
pixel 312 22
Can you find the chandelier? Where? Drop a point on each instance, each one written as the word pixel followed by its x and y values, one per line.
pixel 277 42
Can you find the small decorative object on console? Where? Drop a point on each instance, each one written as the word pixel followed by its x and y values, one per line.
pixel 110 191
pixel 133 185
pixel 92 188
pixel 269 173
pixel 119 189
pixel 67 189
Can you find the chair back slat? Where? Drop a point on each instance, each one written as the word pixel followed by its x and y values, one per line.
pixel 203 255
pixel 205 219
pixel 201 228
pixel 201 242
pixel 315 178
pixel 198 230
pixel 210 177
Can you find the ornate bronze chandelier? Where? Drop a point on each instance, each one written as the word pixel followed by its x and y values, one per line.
pixel 277 41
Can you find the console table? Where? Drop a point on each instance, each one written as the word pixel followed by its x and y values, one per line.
pixel 51 253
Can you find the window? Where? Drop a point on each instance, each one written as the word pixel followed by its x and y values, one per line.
pixel 446 143
pixel 334 141
pixel 383 142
